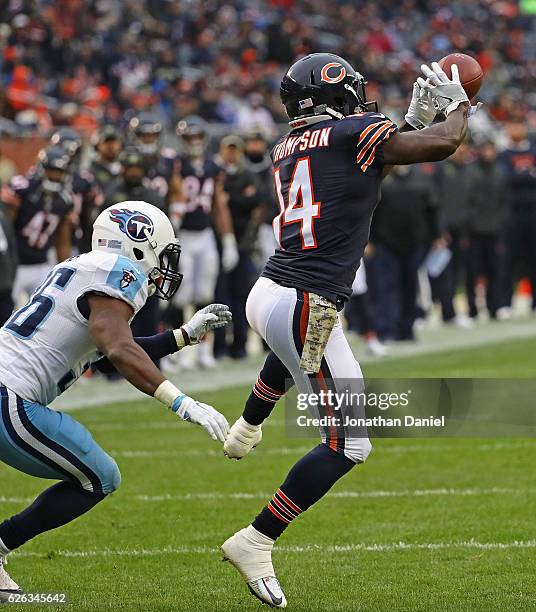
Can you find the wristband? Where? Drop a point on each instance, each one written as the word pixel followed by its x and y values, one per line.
pixel 167 393
pixel 181 337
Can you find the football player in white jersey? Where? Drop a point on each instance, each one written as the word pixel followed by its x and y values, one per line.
pixel 79 316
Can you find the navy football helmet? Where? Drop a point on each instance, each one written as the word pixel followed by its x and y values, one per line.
pixel 324 83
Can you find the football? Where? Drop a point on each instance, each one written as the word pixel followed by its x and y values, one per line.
pixel 471 74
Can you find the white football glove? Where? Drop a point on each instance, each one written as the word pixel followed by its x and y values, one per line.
pixel 203 321
pixel 229 254
pixel 447 94
pixel 421 112
pixel 214 423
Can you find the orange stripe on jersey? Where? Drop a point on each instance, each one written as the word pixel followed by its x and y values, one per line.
pixel 382 128
pixel 372 155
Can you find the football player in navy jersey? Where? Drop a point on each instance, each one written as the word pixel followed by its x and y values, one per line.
pixel 201 208
pixel 40 205
pixel 86 191
pixel 328 171
pixel 161 164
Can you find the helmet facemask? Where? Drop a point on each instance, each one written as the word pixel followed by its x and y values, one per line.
pixel 166 279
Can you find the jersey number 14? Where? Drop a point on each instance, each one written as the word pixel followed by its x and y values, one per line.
pixel 299 205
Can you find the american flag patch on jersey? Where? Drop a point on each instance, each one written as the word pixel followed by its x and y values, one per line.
pixel 369 139
pixel 102 242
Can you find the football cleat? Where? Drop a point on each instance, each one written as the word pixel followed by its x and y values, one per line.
pixel 8 587
pixel 251 554
pixel 243 437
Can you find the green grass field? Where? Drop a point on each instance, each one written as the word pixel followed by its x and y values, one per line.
pixel 425 525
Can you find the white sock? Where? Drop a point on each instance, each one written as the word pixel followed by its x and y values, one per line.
pixel 256 537
pixel 4 550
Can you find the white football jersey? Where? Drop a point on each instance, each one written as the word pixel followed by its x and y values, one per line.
pixel 45 346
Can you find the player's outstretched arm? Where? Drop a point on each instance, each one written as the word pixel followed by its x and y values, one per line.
pixel 109 327
pixel 430 144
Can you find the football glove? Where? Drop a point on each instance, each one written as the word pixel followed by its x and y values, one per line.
pixel 447 94
pixel 421 112
pixel 203 321
pixel 214 423
pixel 229 253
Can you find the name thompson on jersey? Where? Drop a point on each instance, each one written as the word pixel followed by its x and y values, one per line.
pixel 79 316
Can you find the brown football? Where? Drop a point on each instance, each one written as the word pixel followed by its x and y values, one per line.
pixel 471 74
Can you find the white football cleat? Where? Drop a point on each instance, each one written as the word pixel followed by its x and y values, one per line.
pixel 251 553
pixel 242 438
pixel 8 586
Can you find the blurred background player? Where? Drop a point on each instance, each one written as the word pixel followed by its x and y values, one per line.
pixel 105 165
pixel 201 208
pixel 131 185
pixel 86 192
pixel 257 160
pixel 246 205
pixel 8 264
pixel 519 162
pixel 40 206
pixel 161 167
pixel 403 227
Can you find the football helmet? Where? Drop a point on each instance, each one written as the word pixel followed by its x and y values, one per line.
pixel 53 163
pixel 193 133
pixel 324 83
pixel 142 233
pixel 69 140
pixel 147 129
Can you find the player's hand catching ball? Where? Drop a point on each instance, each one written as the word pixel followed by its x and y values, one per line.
pixel 203 321
pixel 213 422
pixel 447 94
pixel 421 112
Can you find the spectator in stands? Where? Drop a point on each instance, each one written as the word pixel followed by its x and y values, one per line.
pixel 246 207
pixel 453 189
pixel 519 161
pixel 403 227
pixel 488 215
pixel 8 264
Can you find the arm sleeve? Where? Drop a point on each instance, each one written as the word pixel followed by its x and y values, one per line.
pixel 158 346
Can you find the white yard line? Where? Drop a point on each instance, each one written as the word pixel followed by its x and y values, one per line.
pixel 375 494
pixel 306 548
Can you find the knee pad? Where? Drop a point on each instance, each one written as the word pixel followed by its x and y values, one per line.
pixel 357 449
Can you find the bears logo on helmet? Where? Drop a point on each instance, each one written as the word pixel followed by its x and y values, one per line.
pixel 339 76
pixel 137 226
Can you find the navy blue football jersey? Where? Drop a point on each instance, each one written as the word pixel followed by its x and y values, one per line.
pixel 158 174
pixel 327 180
pixel 198 183
pixel 39 215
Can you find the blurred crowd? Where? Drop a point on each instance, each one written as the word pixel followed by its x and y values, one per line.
pixel 140 86
pixel 90 62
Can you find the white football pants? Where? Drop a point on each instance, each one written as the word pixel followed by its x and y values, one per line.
pixel 199 263
pixel 280 315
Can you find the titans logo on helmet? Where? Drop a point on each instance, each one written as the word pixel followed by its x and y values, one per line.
pixel 135 225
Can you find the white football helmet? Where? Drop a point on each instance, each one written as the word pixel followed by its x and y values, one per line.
pixel 143 233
